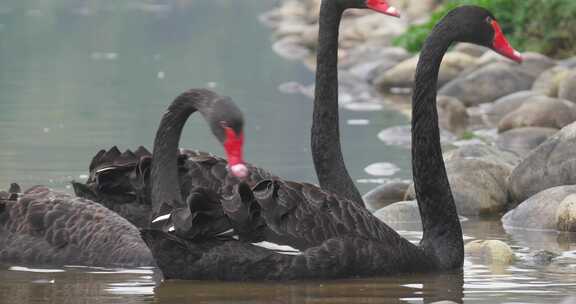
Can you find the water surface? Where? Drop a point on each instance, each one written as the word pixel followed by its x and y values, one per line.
pixel 79 76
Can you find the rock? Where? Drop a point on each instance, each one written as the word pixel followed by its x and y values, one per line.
pixel 567 87
pixel 416 9
pixel 521 141
pixel 369 27
pixel 385 195
pixel 541 257
pixel 535 64
pixel 485 152
pixel 473 50
pixel 452 115
pixel 400 212
pixel 402 75
pixel 551 164
pixel 401 136
pixel 566 214
pixel 544 112
pixel 479 186
pixel 568 63
pixel 368 61
pixel 494 112
pixel 492 251
pixel 548 82
pixel 487 84
pixel 291 48
pixel 546 210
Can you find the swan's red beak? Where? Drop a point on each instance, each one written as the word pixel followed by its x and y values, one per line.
pixel 383 7
pixel 233 145
pixel 501 45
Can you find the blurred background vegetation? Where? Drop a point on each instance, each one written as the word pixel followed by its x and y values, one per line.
pixel 543 26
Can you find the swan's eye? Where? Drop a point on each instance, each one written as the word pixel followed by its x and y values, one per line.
pixel 489 20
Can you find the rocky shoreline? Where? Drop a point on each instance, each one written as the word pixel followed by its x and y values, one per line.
pixel 510 129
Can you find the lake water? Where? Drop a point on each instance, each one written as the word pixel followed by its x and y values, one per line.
pixel 79 76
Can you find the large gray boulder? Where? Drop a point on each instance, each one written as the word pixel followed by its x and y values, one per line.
pixel 400 212
pixel 479 186
pixel 385 195
pixel 521 141
pixel 535 64
pixel 402 75
pixel 551 164
pixel 544 112
pixel 567 87
pixel 494 112
pixel 485 152
pixel 487 84
pixel 452 115
pixel 471 49
pixel 551 209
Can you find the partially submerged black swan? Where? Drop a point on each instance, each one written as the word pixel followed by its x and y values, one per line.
pixel 47 228
pixel 120 181
pixel 330 237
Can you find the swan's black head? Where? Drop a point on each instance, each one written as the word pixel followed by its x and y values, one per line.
pixel 381 6
pixel 227 124
pixel 477 25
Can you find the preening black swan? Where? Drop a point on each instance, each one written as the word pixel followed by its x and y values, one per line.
pixel 329 236
pixel 120 181
pixel 44 227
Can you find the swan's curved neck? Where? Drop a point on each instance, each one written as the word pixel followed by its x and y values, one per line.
pixel 326 148
pixel 165 185
pixel 442 237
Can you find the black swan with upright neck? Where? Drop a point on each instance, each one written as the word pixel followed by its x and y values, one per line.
pixel 329 236
pixel 120 181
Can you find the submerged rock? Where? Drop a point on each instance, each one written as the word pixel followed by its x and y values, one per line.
pixel 543 112
pixel 491 251
pixel 521 141
pixel 551 164
pixel 487 84
pixel 541 257
pixel 402 75
pixel 495 111
pixel 551 209
pixel 385 195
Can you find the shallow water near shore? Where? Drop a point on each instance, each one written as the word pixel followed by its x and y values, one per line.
pixel 79 76
pixel 524 281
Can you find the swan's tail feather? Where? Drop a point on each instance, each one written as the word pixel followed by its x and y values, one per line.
pixel 119 181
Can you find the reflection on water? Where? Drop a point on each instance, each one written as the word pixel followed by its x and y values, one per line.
pixel 78 76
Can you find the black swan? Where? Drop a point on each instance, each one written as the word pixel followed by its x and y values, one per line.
pixel 120 181
pixel 318 234
pixel 43 227
pixel 325 136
